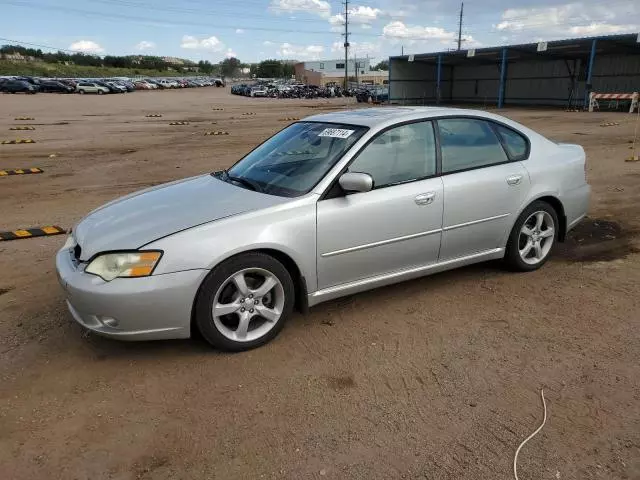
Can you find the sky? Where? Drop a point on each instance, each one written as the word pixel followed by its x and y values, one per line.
pixel 253 30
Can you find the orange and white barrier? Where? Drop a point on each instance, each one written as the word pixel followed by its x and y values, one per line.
pixel 594 97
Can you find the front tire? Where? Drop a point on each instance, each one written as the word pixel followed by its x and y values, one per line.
pixel 100 92
pixel 81 92
pixel 244 302
pixel 532 238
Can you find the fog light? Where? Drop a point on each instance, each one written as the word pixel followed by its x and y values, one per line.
pixel 108 321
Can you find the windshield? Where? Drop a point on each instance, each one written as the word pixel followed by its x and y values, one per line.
pixel 294 160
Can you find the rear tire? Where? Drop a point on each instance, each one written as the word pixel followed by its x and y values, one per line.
pixel 254 280
pixel 100 92
pixel 533 237
pixel 81 92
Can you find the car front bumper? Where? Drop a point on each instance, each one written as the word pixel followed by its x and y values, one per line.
pixel 148 308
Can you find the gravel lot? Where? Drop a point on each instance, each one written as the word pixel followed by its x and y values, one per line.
pixel 436 378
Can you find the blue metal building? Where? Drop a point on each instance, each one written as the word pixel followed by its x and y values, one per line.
pixel 560 73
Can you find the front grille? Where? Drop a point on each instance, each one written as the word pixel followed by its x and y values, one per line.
pixel 77 251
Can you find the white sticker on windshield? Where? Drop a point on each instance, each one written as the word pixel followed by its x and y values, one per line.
pixel 336 133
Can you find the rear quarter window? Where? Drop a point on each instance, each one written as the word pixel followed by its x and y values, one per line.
pixel 515 144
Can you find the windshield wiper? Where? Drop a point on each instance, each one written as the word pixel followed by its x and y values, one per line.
pixel 242 181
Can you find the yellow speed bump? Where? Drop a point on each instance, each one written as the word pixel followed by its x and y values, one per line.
pixel 217 109
pixel 249 113
pixel 153 115
pixel 20 171
pixel 609 124
pixel 17 141
pixel 632 158
pixel 216 132
pixel 31 232
pixel 26 127
pixel 24 118
pixel 289 119
pixel 179 123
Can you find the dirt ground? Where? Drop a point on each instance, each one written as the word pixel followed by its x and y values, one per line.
pixel 437 378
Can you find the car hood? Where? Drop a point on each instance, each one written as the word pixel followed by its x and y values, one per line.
pixel 142 217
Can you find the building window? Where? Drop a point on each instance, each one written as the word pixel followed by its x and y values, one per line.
pixel 339 66
pixel 362 72
pixel 385 82
pixel 322 66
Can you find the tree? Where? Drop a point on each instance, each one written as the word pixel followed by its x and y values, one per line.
pixel 288 70
pixel 383 65
pixel 230 66
pixel 269 69
pixel 205 67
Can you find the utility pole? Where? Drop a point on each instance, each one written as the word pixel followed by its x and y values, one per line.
pixel 460 26
pixel 346 44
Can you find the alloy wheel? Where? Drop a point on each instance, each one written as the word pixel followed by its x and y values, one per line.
pixel 248 304
pixel 536 237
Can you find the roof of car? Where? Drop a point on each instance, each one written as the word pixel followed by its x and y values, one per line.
pixel 372 117
pixel 381 117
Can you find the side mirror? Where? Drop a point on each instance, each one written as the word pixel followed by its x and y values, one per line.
pixel 356 182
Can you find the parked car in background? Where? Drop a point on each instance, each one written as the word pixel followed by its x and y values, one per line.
pixel 330 206
pixel 142 85
pixel 31 80
pixel 154 84
pixel 17 86
pixel 373 95
pixel 69 82
pixel 91 87
pixel 258 91
pixel 54 86
pixel 116 87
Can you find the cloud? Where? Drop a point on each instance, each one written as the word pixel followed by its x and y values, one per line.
pixel 570 19
pixel 363 14
pixel 601 29
pixel 239 31
pixel 268 43
pixel 211 43
pixel 316 7
pixel 399 30
pixel 360 15
pixel 231 54
pixel 86 46
pixel 361 49
pixel 300 51
pixel 145 45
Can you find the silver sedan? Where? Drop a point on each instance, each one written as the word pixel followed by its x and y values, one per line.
pixel 330 206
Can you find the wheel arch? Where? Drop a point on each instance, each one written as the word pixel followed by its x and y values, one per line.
pixel 551 199
pixel 299 281
pixel 557 205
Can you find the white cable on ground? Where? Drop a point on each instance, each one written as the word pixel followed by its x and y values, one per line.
pixel 515 458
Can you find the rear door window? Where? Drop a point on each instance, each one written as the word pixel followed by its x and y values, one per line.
pixel 468 143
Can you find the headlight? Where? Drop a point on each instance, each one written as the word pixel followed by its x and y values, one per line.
pixel 125 264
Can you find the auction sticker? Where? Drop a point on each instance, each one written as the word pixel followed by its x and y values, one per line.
pixel 336 133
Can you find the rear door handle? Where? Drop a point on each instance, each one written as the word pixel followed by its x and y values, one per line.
pixel 514 179
pixel 425 198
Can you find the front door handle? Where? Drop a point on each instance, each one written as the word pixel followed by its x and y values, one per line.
pixel 425 198
pixel 514 179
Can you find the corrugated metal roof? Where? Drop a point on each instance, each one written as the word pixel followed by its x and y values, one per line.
pixel 561 49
